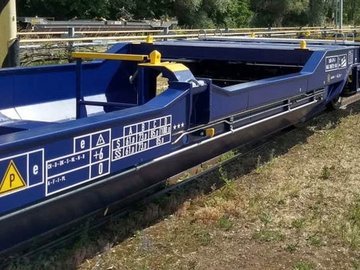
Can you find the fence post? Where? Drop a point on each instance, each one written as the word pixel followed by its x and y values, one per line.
pixel 202 31
pixel 166 32
pixel 70 49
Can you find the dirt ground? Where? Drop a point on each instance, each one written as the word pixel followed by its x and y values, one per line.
pixel 293 204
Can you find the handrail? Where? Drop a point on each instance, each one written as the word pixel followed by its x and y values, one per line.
pixel 110 56
pixel 105 32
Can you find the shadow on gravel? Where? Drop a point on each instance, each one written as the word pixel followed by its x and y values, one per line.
pixel 145 214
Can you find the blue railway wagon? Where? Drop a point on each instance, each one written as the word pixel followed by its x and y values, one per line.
pixel 76 138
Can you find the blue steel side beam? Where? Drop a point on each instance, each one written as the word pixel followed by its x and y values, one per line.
pixel 272 55
pixel 103 104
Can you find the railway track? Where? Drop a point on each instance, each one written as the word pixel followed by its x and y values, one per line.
pixel 65 236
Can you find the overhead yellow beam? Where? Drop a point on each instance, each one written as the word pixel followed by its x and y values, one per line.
pixel 8 34
pixel 110 56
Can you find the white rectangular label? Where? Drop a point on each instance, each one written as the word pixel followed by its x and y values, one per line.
pixel 336 62
pixel 140 137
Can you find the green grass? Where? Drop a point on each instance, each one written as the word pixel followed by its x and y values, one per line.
pixel 315 240
pixel 265 218
pixel 302 265
pixel 268 235
pixel 203 237
pixel 298 224
pixel 326 172
pixel 292 247
pixel 227 156
pixel 225 223
pixel 351 225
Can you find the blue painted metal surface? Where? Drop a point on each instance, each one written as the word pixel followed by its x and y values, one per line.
pixel 67 127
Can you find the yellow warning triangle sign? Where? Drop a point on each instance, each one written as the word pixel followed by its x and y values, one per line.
pixel 12 179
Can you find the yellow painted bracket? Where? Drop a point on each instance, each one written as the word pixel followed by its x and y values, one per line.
pixel 155 61
pixel 210 132
pixel 150 39
pixel 110 56
pixel 303 44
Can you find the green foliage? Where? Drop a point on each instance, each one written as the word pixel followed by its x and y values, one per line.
pixel 212 13
pixel 63 9
pixel 190 13
pixel 352 11
pixel 198 13
pixel 316 14
pixel 239 14
pixel 279 12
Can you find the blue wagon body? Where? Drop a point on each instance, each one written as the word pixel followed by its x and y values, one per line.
pixel 76 138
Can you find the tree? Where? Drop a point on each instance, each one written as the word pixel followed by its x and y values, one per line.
pixel 352 12
pixel 212 13
pixel 198 13
pixel 316 14
pixel 239 14
pixel 187 11
pixel 278 12
pixel 63 9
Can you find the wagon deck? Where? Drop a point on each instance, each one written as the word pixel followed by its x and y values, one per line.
pixel 76 138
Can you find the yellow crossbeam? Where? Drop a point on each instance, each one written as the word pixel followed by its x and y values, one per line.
pixel 110 56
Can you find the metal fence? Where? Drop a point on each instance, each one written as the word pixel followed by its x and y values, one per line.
pixel 44 47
